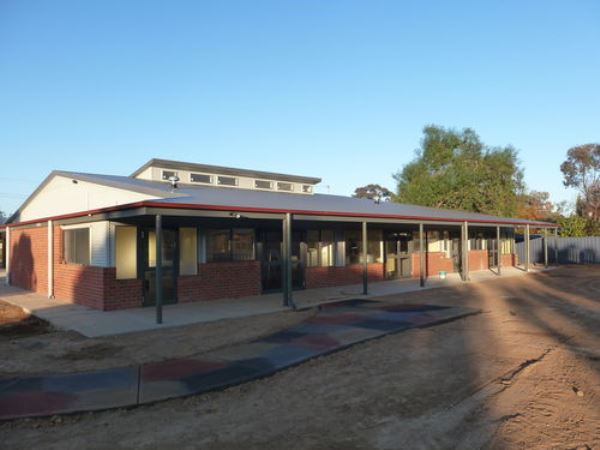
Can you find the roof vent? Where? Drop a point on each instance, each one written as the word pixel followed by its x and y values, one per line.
pixel 174 179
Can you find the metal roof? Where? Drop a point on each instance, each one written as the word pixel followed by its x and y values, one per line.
pixel 207 197
pixel 180 165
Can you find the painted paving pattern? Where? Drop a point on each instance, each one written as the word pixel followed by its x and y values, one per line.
pixel 336 326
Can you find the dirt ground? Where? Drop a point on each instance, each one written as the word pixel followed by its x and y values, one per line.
pixel 16 323
pixel 523 374
pixel 57 351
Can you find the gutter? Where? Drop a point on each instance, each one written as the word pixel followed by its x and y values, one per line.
pixel 195 206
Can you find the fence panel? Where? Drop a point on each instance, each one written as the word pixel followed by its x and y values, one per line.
pixel 570 250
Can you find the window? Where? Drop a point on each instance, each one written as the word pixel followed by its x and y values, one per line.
pixel 77 246
pixel 263 184
pixel 354 246
pixel 217 245
pixel 126 252
pixel 320 248
pixel 166 174
pixel 200 178
pixel 307 188
pixel 227 181
pixel 374 248
pixel 242 244
pixel 230 244
pixel 312 248
pixel 281 186
pixel 188 251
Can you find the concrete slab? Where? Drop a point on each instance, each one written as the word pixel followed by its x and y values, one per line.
pixel 93 323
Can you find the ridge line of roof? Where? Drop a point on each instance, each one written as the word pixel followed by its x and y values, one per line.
pixel 172 164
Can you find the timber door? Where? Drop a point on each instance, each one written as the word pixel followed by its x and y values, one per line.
pixel 170 258
pixel 397 256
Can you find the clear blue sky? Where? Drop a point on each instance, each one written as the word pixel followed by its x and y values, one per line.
pixel 335 89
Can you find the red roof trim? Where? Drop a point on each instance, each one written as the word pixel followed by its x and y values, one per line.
pixel 168 205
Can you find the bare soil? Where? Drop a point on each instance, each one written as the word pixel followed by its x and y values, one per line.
pixel 524 374
pixel 14 323
pixel 59 351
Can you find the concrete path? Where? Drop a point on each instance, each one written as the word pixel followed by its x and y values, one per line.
pixel 93 323
pixel 335 327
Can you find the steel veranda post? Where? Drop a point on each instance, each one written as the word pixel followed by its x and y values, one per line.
pixel 498 251
pixel 556 246
pixel 364 258
pixel 465 251
pixel 284 259
pixel 158 269
pixel 288 261
pixel 527 249
pixel 421 255
pixel 545 247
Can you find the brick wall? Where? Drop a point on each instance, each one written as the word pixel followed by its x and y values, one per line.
pixel 435 262
pixel 217 280
pixel 478 260
pixel 509 260
pixel 317 277
pixel 96 287
pixel 29 258
pixel 121 294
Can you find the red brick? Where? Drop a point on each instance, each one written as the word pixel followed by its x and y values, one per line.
pixel 317 277
pixel 29 258
pixel 217 280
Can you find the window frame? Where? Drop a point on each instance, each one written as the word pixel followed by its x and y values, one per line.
pixel 287 183
pixel 230 245
pixel 163 171
pixel 64 231
pixel 235 180
pixel 270 188
pixel 210 178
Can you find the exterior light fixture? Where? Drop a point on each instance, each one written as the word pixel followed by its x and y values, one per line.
pixel 235 215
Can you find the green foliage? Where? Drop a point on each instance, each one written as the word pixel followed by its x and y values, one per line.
pixel 577 226
pixel 373 191
pixel 581 170
pixel 456 170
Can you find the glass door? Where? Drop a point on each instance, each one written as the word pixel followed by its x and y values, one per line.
pixel 169 265
pixel 269 252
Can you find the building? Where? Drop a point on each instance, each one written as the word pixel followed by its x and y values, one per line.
pixel 224 232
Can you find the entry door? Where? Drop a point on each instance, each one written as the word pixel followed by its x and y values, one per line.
pixel 270 253
pixel 397 257
pixel 270 260
pixel 169 265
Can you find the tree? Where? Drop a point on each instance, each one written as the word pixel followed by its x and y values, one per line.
pixel 581 170
pixel 456 170
pixel 572 226
pixel 536 205
pixel 3 217
pixel 373 192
